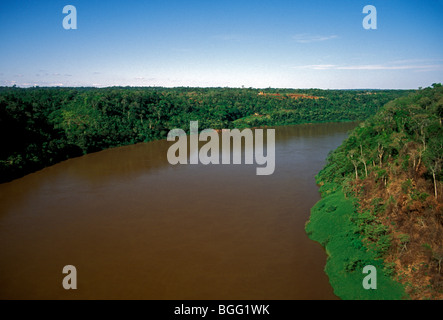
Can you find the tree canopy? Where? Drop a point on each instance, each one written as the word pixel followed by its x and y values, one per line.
pixel 42 126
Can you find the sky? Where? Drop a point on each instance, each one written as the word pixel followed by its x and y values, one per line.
pixel 229 43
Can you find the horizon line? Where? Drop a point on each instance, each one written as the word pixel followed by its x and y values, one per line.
pixel 205 87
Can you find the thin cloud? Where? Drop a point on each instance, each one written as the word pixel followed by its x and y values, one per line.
pixel 307 38
pixel 393 66
pixel 54 74
pixel 409 61
pixel 390 67
pixel 31 84
pixel 317 67
pixel 145 79
pixel 9 83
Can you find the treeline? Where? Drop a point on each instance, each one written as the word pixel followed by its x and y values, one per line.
pixel 42 126
pixel 382 202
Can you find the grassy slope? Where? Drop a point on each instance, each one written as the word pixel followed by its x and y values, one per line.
pixel 387 216
pixel 332 227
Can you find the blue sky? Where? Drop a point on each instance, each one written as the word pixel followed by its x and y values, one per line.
pixel 232 43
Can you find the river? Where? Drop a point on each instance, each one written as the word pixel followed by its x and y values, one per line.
pixel 136 227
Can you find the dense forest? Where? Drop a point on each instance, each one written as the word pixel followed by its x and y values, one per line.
pixel 381 189
pixel 43 126
pixel 382 202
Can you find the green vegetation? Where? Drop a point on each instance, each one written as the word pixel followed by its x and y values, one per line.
pixel 335 224
pixel 42 126
pixel 382 202
pixel 381 189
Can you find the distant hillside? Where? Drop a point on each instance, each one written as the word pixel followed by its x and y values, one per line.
pixel 43 126
pixel 382 202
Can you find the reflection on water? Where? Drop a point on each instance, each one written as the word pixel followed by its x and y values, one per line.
pixel 136 227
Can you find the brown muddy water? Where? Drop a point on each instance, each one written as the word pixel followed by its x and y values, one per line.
pixel 136 227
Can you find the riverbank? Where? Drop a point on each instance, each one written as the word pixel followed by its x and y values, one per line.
pixel 332 224
pixel 45 126
pixel 382 202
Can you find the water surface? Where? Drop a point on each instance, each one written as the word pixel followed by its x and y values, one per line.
pixel 136 227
